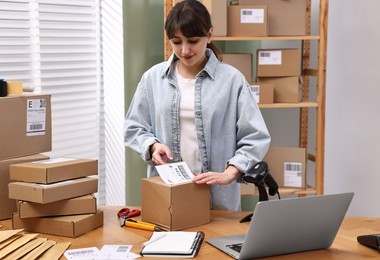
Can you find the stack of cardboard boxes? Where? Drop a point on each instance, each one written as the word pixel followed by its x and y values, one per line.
pixel 53 196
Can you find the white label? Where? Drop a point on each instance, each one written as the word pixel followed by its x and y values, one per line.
pixel 56 160
pixel 293 174
pixel 252 16
pixel 255 89
pixel 174 173
pixel 35 117
pixel 270 57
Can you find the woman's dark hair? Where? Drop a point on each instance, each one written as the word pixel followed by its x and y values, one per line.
pixel 192 19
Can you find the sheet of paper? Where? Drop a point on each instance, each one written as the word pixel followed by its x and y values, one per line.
pixel 174 173
pixel 114 252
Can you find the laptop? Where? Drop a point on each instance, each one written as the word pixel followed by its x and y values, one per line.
pixel 288 226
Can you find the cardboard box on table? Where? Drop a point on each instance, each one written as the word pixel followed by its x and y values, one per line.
pixel 53 170
pixel 68 226
pixel 81 205
pixel 247 21
pixel 177 206
pixel 25 127
pixel 46 193
pixel 285 17
pixel 287 165
pixel 7 205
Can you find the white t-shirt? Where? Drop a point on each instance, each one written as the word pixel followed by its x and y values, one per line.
pixel 189 142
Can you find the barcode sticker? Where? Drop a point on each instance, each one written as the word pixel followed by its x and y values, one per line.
pixel 252 16
pixel 82 253
pixel 255 89
pixel 293 174
pixel 36 117
pixel 270 57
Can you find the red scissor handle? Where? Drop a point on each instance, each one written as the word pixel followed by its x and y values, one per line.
pixel 128 213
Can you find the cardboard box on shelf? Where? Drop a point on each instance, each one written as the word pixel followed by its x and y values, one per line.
pixel 247 20
pixel 278 62
pixel 68 226
pixel 285 18
pixel 218 12
pixel 241 61
pixel 286 89
pixel 175 207
pixel 75 206
pixel 287 165
pixel 25 127
pixel 263 93
pixel 46 193
pixel 53 170
pixel 8 206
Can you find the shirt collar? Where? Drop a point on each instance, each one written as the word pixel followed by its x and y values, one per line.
pixel 210 67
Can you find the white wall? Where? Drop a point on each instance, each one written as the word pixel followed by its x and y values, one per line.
pixel 352 144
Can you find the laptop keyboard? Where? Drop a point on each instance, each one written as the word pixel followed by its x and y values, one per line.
pixel 237 247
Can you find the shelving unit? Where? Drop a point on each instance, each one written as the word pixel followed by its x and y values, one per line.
pixel 319 105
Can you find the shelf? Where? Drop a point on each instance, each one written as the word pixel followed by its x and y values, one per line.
pixel 289 105
pixel 287 191
pixel 267 38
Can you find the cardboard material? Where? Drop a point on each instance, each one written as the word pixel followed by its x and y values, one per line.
pixel 278 62
pixel 25 127
pixel 46 193
pixel 286 17
pixel 218 12
pixel 287 165
pixel 264 93
pixel 241 61
pixel 8 206
pixel 80 205
pixel 175 207
pixel 68 226
pixel 286 89
pixel 53 170
pixel 14 87
pixel 247 20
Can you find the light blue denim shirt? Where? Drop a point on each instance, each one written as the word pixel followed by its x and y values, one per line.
pixel 229 124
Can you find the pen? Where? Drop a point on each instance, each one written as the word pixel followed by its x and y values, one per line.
pixel 158 237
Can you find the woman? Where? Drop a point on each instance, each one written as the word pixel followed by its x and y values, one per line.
pixel 196 109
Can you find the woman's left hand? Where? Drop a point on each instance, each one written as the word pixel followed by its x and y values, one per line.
pixel 223 178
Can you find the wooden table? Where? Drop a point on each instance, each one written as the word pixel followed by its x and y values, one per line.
pixel 223 223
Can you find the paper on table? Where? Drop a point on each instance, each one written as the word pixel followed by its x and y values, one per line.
pixel 174 173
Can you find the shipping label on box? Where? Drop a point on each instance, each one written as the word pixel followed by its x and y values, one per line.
pixel 177 206
pixel 53 170
pixel 287 165
pixel 36 116
pixel 46 193
pixel 68 226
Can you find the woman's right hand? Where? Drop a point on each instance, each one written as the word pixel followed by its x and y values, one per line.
pixel 161 154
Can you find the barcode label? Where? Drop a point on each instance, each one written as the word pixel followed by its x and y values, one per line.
pixel 252 15
pixel 123 249
pixel 255 89
pixel 36 116
pixel 264 54
pixel 293 174
pixel 183 172
pixel 270 57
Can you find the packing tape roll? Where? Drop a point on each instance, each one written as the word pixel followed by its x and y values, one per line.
pixel 3 88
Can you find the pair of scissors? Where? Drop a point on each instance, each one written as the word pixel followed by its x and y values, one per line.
pixel 126 213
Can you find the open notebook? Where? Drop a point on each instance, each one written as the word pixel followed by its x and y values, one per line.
pixel 288 226
pixel 181 244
